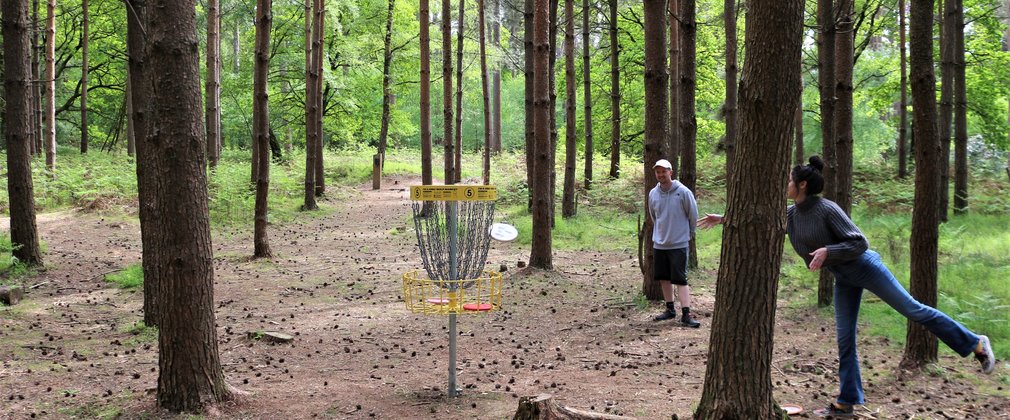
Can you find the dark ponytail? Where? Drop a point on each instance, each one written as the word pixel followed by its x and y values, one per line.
pixel 811 173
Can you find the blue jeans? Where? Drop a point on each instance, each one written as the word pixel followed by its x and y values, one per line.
pixel 867 272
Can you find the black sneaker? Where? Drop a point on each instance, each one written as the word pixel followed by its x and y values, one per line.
pixel 665 316
pixel 687 321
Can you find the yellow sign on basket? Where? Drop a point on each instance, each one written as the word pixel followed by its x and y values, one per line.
pixel 453 193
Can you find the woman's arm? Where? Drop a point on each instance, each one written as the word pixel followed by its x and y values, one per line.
pixel 710 220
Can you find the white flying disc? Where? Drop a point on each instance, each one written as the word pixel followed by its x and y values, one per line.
pixel 503 232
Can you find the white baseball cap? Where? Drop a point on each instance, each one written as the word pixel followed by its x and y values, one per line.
pixel 664 163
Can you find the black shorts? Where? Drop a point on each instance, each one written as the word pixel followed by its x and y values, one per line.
pixel 671 265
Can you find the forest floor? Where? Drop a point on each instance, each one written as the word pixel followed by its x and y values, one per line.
pixel 334 284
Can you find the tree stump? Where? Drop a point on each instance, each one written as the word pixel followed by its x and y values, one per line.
pixel 544 407
pixel 11 295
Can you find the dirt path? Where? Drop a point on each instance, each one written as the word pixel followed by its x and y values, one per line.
pixel 335 285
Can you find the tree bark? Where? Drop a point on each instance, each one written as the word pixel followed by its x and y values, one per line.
pixel 903 106
pixel 844 62
pixel 213 84
pixel 688 121
pixel 496 81
pixel 946 116
pixel 540 248
pixel 17 132
pixel 656 116
pixel 190 374
pixel 587 97
pixel 960 115
pixel 615 95
pixel 920 344
pixel 738 373
pixel 131 134
pixel 311 136
pixel 826 82
pixel 568 191
pixel 799 157
pixel 447 120
pixel 425 88
pixel 458 155
pixel 387 59
pixel 484 89
pixel 729 21
pixel 261 127
pixel 318 45
pixel 85 37
pixel 49 137
pixel 552 74
pixel 528 99
pixel 36 146
pixel 674 132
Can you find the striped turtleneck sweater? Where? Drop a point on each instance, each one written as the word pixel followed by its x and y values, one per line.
pixel 818 222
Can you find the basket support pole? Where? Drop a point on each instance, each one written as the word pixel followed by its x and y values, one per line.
pixel 452 225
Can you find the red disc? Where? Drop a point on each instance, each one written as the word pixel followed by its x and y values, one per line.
pixel 477 306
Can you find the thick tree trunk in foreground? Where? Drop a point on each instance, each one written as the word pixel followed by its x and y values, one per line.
pixel 568 191
pixel 540 248
pixel 261 127
pixel 738 373
pixel 920 344
pixel 656 118
pixel 17 131
pixel 190 375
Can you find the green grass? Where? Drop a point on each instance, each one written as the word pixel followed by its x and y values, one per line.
pixel 141 334
pixel 129 278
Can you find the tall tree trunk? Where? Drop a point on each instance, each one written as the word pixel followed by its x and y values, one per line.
pixel 920 344
pixel 17 131
pixel 35 138
pixel 147 181
pixel 554 107
pixel 738 381
pixel 656 118
pixel 387 60
pixel 311 136
pixel 688 123
pixel 903 106
pixel 587 96
pixel 568 190
pixel 49 137
pixel 799 156
pixel 496 80
pixel 960 115
pixel 213 84
pixel 947 71
pixel 131 131
pixel 458 155
pixel 190 374
pixel 1006 47
pixel 826 82
pixel 318 45
pixel 447 120
pixel 540 248
pixel 425 101
pixel 261 127
pixel 729 21
pixel 484 89
pixel 85 37
pixel 615 95
pixel 844 62
pixel 528 99
pixel 673 154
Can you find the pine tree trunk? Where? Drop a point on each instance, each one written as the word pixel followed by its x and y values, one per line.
pixel 131 131
pixel 311 136
pixel 485 91
pixel 540 248
pixel 447 120
pixel 38 49
pixel 318 45
pixel 49 137
pixel 738 381
pixel 554 107
pixel 261 127
pixel 190 374
pixel 903 106
pixel 85 37
pixel 17 132
pixel 946 116
pixel 656 114
pixel 799 157
pixel 568 190
pixel 587 96
pixel 387 59
pixel 826 82
pixel 425 88
pixel 236 46
pixel 496 81
pixel 844 62
pixel 213 84
pixel 673 155
pixel 528 99
pixel 688 174
pixel 615 95
pixel 960 115
pixel 458 152
pixel 920 344
pixel 729 19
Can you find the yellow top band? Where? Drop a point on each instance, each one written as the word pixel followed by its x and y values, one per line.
pixel 453 193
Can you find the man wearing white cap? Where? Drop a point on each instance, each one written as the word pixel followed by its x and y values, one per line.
pixel 674 213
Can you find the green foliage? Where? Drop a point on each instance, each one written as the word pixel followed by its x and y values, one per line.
pixel 130 277
pixel 141 334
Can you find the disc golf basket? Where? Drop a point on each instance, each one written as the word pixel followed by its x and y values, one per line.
pixel 452 223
